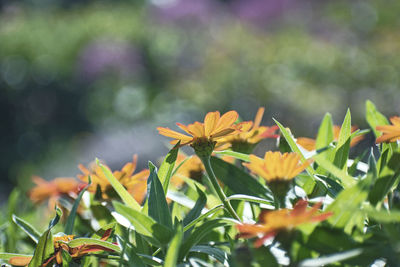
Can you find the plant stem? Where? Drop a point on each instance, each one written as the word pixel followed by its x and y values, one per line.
pixel 217 187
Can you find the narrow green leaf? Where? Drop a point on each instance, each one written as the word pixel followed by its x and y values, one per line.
pixel 167 166
pixel 45 246
pixel 346 207
pixel 346 179
pixel 69 226
pixel 119 188
pixel 203 216
pixel 214 252
pixel 236 179
pixel 157 203
pixel 325 132
pixel 343 144
pixel 27 228
pixel 247 198
pixel 374 117
pixel 236 155
pixel 134 259
pixel 387 180
pixel 156 233
pixel 171 259
pixel 329 259
pixel 198 207
pixel 383 216
pixel 198 234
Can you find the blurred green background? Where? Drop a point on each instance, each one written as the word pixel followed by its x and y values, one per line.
pixel 83 79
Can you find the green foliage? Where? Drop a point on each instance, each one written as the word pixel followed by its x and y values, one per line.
pixel 184 224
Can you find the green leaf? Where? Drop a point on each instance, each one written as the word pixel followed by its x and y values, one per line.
pixel 374 117
pixel 346 179
pixel 134 259
pixel 69 226
pixel 388 179
pixel 329 259
pixel 171 259
pixel 214 252
pixel 325 132
pixel 383 216
pixel 67 259
pixel 203 216
pixel 27 228
pixel 247 198
pixel 346 207
pixel 119 188
pixel 77 242
pixel 236 179
pixel 157 203
pixel 198 234
pixel 167 166
pixel 236 155
pixel 343 144
pixel 326 240
pixel 45 246
pixel 156 233
pixel 196 210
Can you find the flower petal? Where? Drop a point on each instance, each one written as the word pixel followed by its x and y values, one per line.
pixel 173 134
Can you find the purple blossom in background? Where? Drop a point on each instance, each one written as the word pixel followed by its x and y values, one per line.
pixel 105 56
pixel 260 12
pixel 186 10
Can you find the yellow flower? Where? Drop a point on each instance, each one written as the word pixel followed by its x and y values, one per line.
pixel 135 184
pixel 192 168
pixel 391 133
pixel 203 136
pixel 309 143
pixel 52 190
pixel 276 166
pixel 251 133
pixel 273 222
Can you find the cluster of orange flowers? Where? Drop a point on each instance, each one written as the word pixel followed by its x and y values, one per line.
pixel 216 132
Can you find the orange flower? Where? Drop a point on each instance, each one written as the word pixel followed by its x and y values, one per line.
pixel 191 168
pixel 276 166
pixel 391 133
pixel 250 133
pixel 136 184
pixel 309 143
pixel 53 189
pixel 273 222
pixel 61 244
pixel 203 136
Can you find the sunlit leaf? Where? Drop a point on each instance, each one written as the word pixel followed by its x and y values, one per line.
pixel 27 228
pixel 156 233
pixel 171 259
pixel 119 188
pixel 374 117
pixel 69 226
pixel 157 204
pixel 167 166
